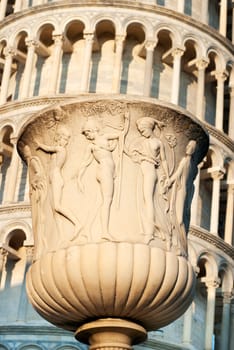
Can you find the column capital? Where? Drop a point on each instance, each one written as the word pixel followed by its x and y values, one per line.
pixel 119 38
pixel 150 44
pixel 31 43
pixel 211 282
pixel 29 252
pixel 202 63
pixel 221 75
pixel 227 297
pixel 89 37
pixel 13 140
pixel 58 38
pixel 9 51
pixel 231 89
pixel 3 252
pixel 177 51
pixel 217 173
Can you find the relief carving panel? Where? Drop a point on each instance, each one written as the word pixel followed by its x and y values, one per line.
pixel 111 170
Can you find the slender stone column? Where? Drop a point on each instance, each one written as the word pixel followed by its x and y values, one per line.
pixel 119 44
pixel 177 54
pixel 194 205
pixel 9 54
pixel 180 6
pixel 3 255
pixel 3 6
pixel 9 195
pixel 188 319
pixel 221 77
pixel 22 308
pixel 204 11
pixel 231 113
pixel 225 325
pixel 229 214
pixel 201 67
pixel 18 5
pixel 223 17
pixel 150 45
pixel 31 44
pixel 216 175
pixel 89 38
pixel 211 286
pixel 57 57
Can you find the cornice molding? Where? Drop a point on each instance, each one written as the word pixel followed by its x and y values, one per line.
pixel 212 239
pixel 35 330
pixel 219 135
pixel 130 4
pixel 16 207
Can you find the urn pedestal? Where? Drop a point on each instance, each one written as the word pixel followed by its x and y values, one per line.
pixel 111 183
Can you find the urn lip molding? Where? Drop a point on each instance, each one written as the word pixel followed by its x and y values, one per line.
pixel 111 183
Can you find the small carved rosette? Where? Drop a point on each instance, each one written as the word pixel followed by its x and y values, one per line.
pixel 110 174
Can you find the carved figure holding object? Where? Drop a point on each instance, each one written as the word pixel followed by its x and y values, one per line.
pixel 58 157
pixel 150 154
pixel 100 149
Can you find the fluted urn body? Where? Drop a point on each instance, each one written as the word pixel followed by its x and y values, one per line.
pixel 111 183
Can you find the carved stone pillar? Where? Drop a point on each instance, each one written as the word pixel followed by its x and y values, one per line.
pixel 9 195
pixel 211 285
pixel 18 5
pixel 177 54
pixel 22 309
pixel 201 68
pixel 3 6
pixel 204 11
pixel 108 197
pixel 217 175
pixel 31 44
pixel 150 46
pixel 229 220
pixel 57 57
pixel 9 54
pixel 226 313
pixel 119 43
pixel 223 17
pixel 3 255
pixel 188 319
pixel 89 38
pixel 221 77
pixel 180 6
pixel 194 207
pixel 231 113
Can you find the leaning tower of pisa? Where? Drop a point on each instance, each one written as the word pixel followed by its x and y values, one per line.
pixel 178 52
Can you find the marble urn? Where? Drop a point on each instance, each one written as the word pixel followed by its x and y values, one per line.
pixel 111 184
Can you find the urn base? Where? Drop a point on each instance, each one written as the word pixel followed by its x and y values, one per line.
pixel 111 333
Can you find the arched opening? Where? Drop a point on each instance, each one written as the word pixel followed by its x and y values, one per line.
pixel 6 149
pixel 162 66
pixel 102 62
pixel 20 58
pixel 205 194
pixel 44 60
pixel 132 62
pixel 188 86
pixel 211 89
pixel 72 58
pixel 2 59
